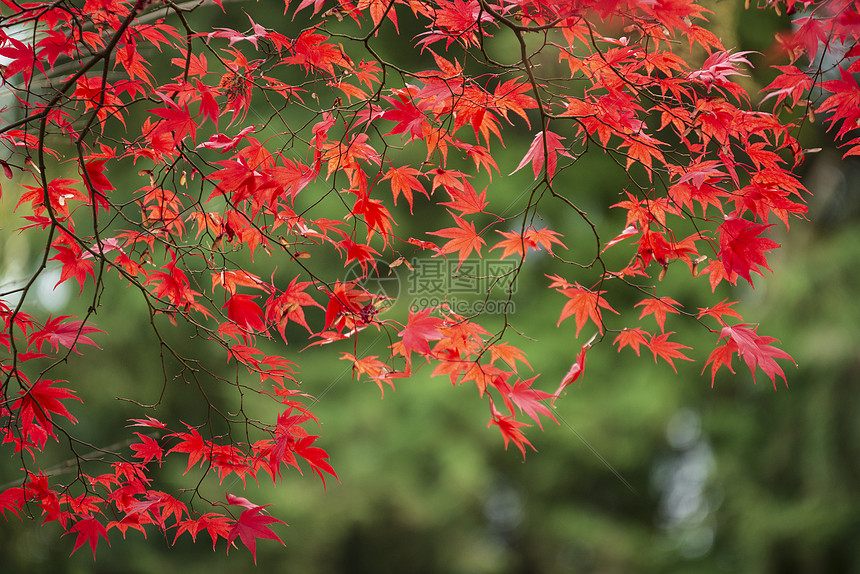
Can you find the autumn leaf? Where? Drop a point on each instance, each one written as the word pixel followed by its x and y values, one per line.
pixel 584 304
pixel 404 180
pixel 371 366
pixel 756 351
pixel 74 265
pixel 510 429
pixel 662 347
pixel 193 445
pixel 242 310
pixel 316 457
pixel 420 328
pixel 720 310
pixel 12 499
pixel 531 239
pixel 149 422
pixel 631 338
pixel 250 526
pixel 575 371
pixel 643 149
pixel 465 199
pixel 21 58
pixel 530 401
pixel 289 306
pixel 232 279
pixel 508 353
pixel 659 307
pixel 463 239
pixel 89 529
pixel 147 449
pixel 42 401
pixel 177 120
pixel 545 144
pixel 216 525
pixel 627 232
pixel 409 117
pixel 58 332
pixel 741 248
pixel 719 66
pixel 790 83
pixel 720 357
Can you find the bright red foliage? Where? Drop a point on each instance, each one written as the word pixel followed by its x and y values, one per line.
pixel 294 195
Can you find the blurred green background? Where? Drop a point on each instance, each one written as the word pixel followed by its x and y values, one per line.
pixel 648 471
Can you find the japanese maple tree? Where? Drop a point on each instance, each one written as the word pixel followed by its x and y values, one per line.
pixel 217 172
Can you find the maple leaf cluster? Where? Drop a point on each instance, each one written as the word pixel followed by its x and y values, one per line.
pixel 111 88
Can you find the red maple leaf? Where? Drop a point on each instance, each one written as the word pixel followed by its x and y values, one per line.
pixel 510 429
pixel 372 367
pixel 225 143
pixel 242 310
pixel 791 82
pixel 89 529
pixel 289 306
pixel 12 499
pixel 741 248
pixel 57 333
pixel 43 400
pixel 662 347
pixel 250 526
pixel 22 58
pixel 658 306
pixel 193 445
pixel 542 148
pixel 74 264
pixel 843 103
pixel 217 525
pixel 575 371
pixel 632 338
pixel 721 356
pixel 149 422
pixel 464 239
pixel 311 51
pixel 510 96
pixel 508 353
pixel 420 328
pixel 409 116
pixel 316 457
pixel 529 400
pixel 584 304
pixel 628 231
pixel 404 180
pixel 177 120
pixel 719 66
pixel 147 449
pixel 464 198
pixel 719 311
pixel 531 239
pixel 293 177
pixel 755 349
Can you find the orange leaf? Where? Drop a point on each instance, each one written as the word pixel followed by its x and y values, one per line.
pixel 668 350
pixel 584 304
pixel 464 239
pixel 658 306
